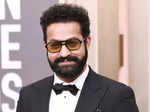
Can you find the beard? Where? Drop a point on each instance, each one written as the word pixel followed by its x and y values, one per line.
pixel 70 71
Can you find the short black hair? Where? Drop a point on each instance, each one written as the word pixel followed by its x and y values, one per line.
pixel 66 13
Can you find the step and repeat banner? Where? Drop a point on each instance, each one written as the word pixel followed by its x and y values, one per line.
pixel 22 56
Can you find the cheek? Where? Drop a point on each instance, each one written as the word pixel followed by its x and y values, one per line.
pixel 52 57
pixel 80 53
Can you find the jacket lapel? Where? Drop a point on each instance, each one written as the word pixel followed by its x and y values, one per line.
pixel 45 91
pixel 91 94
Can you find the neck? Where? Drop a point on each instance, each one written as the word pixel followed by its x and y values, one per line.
pixel 68 80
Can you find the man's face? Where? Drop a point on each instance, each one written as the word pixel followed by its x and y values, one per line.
pixel 67 64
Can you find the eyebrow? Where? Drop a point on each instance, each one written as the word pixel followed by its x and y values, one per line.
pixel 54 40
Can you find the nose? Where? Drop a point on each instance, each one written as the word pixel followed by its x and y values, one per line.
pixel 64 52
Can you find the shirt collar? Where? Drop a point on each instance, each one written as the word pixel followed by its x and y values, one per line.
pixel 78 82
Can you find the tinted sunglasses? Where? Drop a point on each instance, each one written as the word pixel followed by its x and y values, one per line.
pixel 55 46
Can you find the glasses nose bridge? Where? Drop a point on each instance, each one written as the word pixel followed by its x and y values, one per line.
pixel 64 43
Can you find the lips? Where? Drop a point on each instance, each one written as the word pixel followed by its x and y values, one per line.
pixel 66 63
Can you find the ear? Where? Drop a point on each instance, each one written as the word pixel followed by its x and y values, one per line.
pixel 44 44
pixel 88 42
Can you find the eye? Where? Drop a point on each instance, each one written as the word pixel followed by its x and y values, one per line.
pixel 54 47
pixel 73 44
pixel 54 44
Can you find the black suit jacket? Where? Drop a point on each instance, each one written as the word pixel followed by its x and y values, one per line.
pixel 99 94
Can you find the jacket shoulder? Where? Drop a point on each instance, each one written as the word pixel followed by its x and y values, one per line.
pixel 39 84
pixel 113 85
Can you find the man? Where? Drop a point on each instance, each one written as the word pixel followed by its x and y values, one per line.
pixel 74 86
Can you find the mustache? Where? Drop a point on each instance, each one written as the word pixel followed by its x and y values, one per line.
pixel 68 58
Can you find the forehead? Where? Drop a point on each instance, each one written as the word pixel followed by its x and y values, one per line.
pixel 63 31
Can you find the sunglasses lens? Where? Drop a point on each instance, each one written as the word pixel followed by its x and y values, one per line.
pixel 54 47
pixel 73 44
